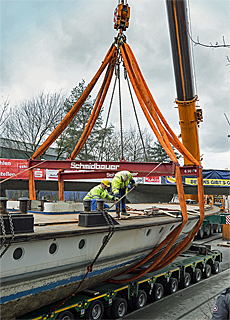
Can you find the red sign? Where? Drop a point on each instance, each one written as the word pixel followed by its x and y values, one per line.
pixel 15 168
pixel 152 179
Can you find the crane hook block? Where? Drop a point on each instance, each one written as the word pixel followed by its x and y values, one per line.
pixel 121 16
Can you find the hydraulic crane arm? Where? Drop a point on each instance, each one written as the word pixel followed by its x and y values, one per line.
pixel 186 99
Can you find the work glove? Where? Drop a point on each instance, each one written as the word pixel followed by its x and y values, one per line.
pixel 135 184
pixel 115 198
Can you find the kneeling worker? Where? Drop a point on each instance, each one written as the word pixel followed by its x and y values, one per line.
pixel 120 184
pixel 99 192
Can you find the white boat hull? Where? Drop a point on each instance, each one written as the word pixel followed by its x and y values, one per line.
pixel 41 275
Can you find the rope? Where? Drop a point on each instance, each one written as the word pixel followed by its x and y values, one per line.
pixel 134 186
pixel 15 175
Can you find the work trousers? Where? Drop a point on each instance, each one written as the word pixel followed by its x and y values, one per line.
pixel 121 203
pixel 94 205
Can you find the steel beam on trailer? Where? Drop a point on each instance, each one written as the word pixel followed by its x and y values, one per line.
pixel 164 168
pixel 144 168
pixel 62 176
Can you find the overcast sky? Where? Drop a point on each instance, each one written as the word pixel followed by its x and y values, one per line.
pixel 50 45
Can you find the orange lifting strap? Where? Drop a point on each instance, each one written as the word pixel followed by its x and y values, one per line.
pixel 161 129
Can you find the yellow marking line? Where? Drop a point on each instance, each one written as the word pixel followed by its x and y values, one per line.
pixel 125 287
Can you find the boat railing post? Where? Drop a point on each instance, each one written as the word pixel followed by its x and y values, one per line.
pixel 87 205
pixel 100 204
pixel 3 202
pixel 23 205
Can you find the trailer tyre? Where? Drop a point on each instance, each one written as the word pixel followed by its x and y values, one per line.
pixel 219 228
pixel 215 267
pixel 157 292
pixel 186 280
pixel 140 300
pixel 207 271
pixel 207 230
pixel 65 315
pixel 95 310
pixel 172 286
pixel 211 229
pixel 197 275
pixel 200 233
pixel 119 308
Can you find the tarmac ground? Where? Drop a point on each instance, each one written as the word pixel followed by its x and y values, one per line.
pixel 195 302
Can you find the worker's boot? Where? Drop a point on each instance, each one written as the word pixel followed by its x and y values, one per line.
pixel 124 213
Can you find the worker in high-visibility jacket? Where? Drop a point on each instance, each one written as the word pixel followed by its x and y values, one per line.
pixel 100 192
pixel 120 185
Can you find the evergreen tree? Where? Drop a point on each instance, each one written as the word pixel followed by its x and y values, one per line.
pixel 158 154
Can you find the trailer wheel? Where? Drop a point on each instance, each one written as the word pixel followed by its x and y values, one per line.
pixel 219 228
pixel 157 292
pixel 207 230
pixel 119 308
pixel 95 310
pixel 197 275
pixel 140 300
pixel 172 286
pixel 215 267
pixel 200 233
pixel 207 271
pixel 211 229
pixel 65 315
pixel 186 280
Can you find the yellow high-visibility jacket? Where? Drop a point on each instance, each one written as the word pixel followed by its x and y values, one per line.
pixel 118 184
pixel 98 193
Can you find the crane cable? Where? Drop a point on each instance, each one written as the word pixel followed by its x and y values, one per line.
pixel 120 110
pixel 135 112
pixel 107 119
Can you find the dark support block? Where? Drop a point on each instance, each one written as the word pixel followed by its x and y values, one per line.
pixel 23 223
pixel 93 219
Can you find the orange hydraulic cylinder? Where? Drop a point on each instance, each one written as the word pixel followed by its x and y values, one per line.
pixel 189 132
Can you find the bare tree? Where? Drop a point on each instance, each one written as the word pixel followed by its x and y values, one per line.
pixel 4 115
pixel 32 121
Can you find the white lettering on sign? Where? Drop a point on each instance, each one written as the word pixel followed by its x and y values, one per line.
pixel 22 166
pixel 94 166
pixel 5 163
pixel 38 174
pixel 6 174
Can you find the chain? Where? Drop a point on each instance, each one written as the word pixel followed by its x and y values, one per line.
pixel 12 232
pixel 3 232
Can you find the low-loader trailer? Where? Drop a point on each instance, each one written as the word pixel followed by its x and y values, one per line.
pixel 112 301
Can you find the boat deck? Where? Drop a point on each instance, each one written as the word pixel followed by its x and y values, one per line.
pixel 139 214
pixel 59 225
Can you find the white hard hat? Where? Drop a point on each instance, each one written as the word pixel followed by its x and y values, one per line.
pixel 124 175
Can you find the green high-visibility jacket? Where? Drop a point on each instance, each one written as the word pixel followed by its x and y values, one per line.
pixel 98 193
pixel 118 184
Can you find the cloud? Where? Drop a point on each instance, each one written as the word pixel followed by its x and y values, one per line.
pixel 48 45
